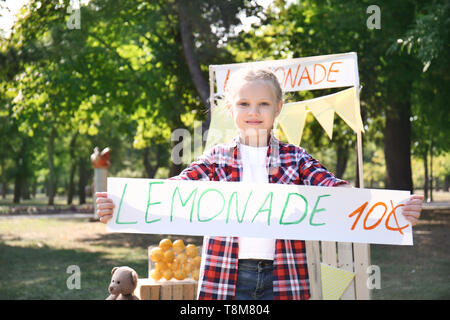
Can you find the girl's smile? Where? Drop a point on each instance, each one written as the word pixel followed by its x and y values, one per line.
pixel 254 122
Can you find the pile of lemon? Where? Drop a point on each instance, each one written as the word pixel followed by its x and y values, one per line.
pixel 174 260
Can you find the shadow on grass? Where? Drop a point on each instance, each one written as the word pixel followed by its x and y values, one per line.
pixel 40 272
pixel 33 269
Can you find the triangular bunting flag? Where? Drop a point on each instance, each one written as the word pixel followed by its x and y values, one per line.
pixel 334 281
pixel 346 104
pixel 221 128
pixel 293 115
pixel 292 121
pixel 324 114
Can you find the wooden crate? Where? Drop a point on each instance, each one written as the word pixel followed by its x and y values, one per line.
pixel 353 257
pixel 148 289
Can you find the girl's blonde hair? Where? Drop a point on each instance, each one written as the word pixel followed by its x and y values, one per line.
pixel 242 76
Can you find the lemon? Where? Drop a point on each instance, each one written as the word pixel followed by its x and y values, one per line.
pixel 165 244
pixel 181 258
pixel 188 267
pixel 178 246
pixel 156 254
pixel 169 255
pixel 168 274
pixel 180 275
pixel 155 274
pixel 191 250
pixel 196 261
pixel 175 265
pixel 195 274
pixel 161 266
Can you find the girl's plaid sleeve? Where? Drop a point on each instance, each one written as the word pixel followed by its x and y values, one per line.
pixel 197 170
pixel 314 173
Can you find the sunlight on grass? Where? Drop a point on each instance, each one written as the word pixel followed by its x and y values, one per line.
pixel 36 253
pixel 39 251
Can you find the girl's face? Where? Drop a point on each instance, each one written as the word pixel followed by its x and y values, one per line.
pixel 254 108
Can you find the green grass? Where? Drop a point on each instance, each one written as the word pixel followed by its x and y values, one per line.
pixel 421 271
pixel 35 254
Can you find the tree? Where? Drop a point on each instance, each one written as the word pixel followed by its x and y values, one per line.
pixel 124 69
pixel 427 40
pixel 320 27
pixel 198 18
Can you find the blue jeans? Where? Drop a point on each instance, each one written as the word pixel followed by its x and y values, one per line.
pixel 254 280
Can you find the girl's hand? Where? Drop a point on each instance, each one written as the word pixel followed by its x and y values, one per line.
pixel 105 206
pixel 412 208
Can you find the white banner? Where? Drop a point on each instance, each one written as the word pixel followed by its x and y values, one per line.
pixel 309 73
pixel 258 210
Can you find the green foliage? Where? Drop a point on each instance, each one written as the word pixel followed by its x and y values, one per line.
pixel 122 79
pixel 411 33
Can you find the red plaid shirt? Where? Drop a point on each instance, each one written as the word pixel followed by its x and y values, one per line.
pixel 287 164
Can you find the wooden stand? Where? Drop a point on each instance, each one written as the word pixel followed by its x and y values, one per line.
pixel 148 289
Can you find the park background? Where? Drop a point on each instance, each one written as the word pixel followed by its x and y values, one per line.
pixel 126 74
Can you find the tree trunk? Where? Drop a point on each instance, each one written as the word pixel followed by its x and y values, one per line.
pixel 20 172
pixel 175 169
pixel 425 185
pixel 71 186
pixel 397 146
pixel 82 180
pixel 34 188
pixel 447 183
pixel 73 167
pixel 151 170
pixel 431 172
pixel 17 184
pixel 25 190
pixel 51 167
pixel 400 70
pixel 200 82
pixel 4 180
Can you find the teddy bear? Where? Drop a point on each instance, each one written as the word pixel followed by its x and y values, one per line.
pixel 123 283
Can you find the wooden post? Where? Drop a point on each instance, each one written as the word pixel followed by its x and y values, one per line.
pixel 361 250
pixel 211 88
pixel 345 262
pixel 314 272
pixel 100 183
pixel 101 163
pixel 329 254
pixel 360 159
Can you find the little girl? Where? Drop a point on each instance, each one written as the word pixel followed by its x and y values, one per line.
pixel 256 268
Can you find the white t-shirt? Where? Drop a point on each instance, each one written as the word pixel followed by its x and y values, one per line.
pixel 255 170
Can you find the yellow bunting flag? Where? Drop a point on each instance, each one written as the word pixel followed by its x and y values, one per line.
pixel 221 128
pixel 346 105
pixel 292 121
pixel 293 116
pixel 334 281
pixel 324 114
